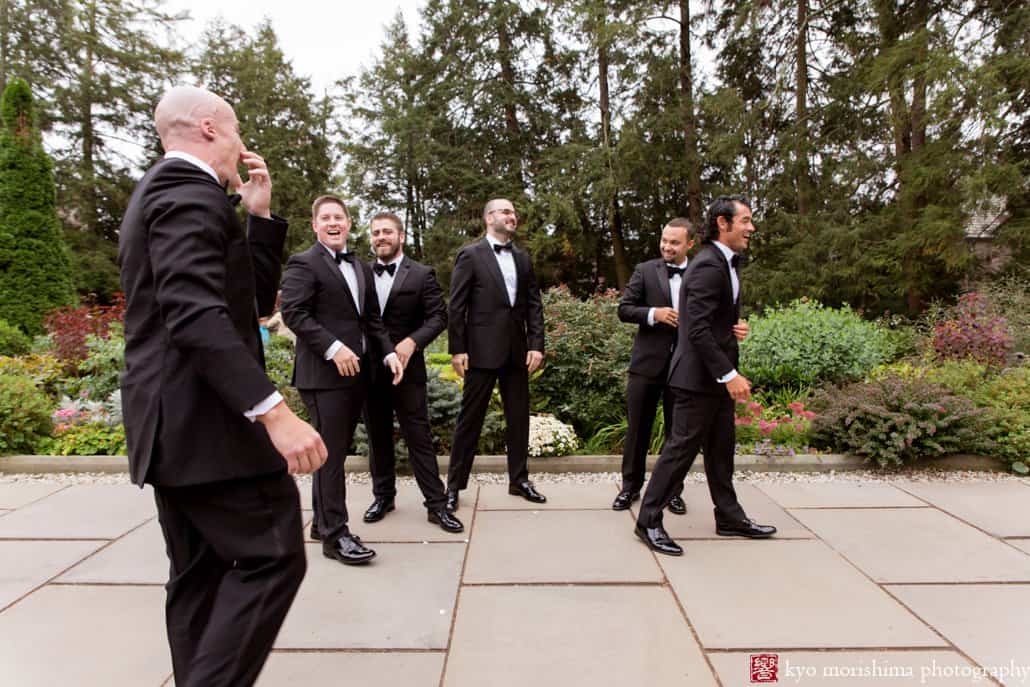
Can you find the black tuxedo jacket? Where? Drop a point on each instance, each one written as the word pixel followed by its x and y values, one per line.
pixel 194 286
pixel 318 307
pixel 706 348
pixel 414 308
pixel 652 346
pixel 481 320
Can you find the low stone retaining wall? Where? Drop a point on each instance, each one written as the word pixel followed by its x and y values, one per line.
pixel 826 462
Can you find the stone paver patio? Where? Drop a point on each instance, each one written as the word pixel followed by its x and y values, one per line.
pixel 871 583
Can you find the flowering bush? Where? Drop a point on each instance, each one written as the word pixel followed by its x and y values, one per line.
pixel 69 327
pixel 87 428
pixel 775 427
pixel 974 332
pixel 549 436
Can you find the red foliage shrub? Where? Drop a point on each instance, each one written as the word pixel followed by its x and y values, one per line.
pixel 974 332
pixel 69 326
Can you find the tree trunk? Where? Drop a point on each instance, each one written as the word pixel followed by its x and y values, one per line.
pixel 87 182
pixel 801 113
pixel 613 213
pixel 5 29
pixel 693 160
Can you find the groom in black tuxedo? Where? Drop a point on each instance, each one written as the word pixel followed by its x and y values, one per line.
pixel 705 382
pixel 413 311
pixel 203 423
pixel 329 301
pixel 496 334
pixel 651 300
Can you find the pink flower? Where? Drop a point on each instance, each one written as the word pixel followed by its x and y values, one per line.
pixel 745 420
pixel 754 408
pixel 766 427
pixel 796 406
pixel 808 414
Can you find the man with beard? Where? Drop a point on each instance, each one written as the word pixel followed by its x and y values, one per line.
pixel 705 382
pixel 651 300
pixel 329 301
pixel 203 423
pixel 412 308
pixel 496 334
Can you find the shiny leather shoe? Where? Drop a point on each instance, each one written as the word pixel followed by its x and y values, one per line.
pixel 745 528
pixel 624 499
pixel 446 521
pixel 452 502
pixel 677 505
pixel 349 550
pixel 378 510
pixel 527 491
pixel 657 539
pixel 315 534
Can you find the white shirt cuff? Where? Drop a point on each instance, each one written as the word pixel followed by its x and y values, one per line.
pixel 728 377
pixel 261 408
pixel 650 317
pixel 386 360
pixel 333 348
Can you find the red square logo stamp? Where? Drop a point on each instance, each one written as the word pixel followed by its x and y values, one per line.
pixel 765 668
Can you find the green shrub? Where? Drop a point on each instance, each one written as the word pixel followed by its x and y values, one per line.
pixel 279 355
pixel 804 343
pixel 91 439
pixel 1007 422
pixel 438 359
pixel 102 367
pixel 24 414
pixel 894 420
pixel 44 371
pixel 583 380
pixel 12 340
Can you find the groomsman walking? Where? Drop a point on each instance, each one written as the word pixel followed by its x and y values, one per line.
pixel 496 334
pixel 705 382
pixel 413 312
pixel 651 300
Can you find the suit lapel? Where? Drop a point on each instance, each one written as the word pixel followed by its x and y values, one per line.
pixel 330 264
pixel 359 276
pixel 487 253
pixel 662 275
pixel 398 280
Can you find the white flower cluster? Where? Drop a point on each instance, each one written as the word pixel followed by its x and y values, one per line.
pixel 549 436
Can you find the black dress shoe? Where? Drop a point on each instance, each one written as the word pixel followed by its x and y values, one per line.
pixel 527 491
pixel 745 528
pixel 378 510
pixel 657 539
pixel 446 521
pixel 315 534
pixel 677 505
pixel 625 498
pixel 452 502
pixel 349 550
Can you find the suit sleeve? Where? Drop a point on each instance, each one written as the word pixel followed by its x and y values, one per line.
pixel 633 304
pixel 298 306
pixel 373 323
pixel 461 289
pixel 266 238
pixel 187 243
pixel 706 282
pixel 435 311
pixel 534 311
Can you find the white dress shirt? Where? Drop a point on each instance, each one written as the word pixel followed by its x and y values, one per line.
pixel 384 281
pixel 506 261
pixel 735 283
pixel 275 398
pixel 674 291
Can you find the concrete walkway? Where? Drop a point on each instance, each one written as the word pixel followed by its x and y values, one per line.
pixel 869 583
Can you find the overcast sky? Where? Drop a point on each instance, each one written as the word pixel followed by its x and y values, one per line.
pixel 324 40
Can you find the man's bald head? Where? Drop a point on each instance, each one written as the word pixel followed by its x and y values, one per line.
pixel 178 115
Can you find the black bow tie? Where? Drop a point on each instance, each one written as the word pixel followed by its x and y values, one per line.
pixel 735 261
pixel 235 199
pixel 675 271
pixel 498 247
pixel 380 268
pixel 344 255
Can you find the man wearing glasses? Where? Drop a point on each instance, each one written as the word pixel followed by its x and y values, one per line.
pixel 495 334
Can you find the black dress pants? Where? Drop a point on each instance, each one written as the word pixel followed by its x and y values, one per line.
pixel 475 399
pixel 335 414
pixel 699 421
pixel 236 554
pixel 409 401
pixel 642 396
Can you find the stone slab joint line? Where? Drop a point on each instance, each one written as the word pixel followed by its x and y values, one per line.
pixel 461 583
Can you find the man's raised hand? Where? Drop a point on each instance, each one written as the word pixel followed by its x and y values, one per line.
pixel 256 192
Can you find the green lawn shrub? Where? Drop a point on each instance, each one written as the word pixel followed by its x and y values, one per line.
pixel 24 414
pixel 804 344
pixel 13 341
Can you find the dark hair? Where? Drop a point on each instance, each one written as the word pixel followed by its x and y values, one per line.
pixel 388 216
pixel 723 206
pixel 322 200
pixel 685 223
